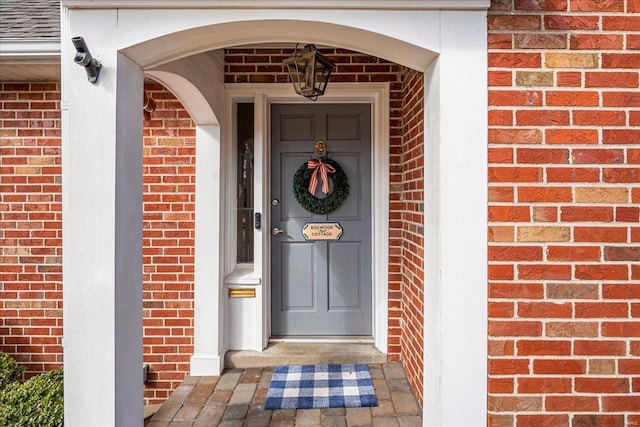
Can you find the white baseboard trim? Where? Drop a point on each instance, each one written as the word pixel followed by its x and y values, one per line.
pixel 206 365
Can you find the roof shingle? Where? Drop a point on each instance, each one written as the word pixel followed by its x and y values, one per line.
pixel 30 19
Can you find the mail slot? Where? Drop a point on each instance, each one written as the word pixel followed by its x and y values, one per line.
pixel 242 292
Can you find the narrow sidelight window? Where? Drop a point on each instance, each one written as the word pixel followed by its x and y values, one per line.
pixel 244 216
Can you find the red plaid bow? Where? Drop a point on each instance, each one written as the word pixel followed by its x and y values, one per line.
pixel 324 170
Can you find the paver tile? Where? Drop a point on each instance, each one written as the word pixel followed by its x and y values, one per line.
pixel 333 412
pixel 180 394
pixel 381 388
pixel 258 417
pixel 200 394
pixel 251 375
pixel 290 422
pixel 166 412
pixel 228 381
pixel 376 372
pixel 359 417
pixel 283 414
pixel 209 380
pixel 220 397
pixel 243 393
pixel 209 416
pixel 181 424
pixel 405 403
pixel 260 396
pixel 190 380
pixel 308 417
pixel 235 412
pixel 385 408
pixel 265 379
pixel 393 370
pixel 385 422
pixel 399 384
pixel 411 421
pixel 188 413
pixel 334 422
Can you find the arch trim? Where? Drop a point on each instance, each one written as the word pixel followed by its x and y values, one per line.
pixel 170 47
pixel 188 94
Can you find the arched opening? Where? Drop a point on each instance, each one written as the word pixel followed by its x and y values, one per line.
pixel 198 68
pixel 383 79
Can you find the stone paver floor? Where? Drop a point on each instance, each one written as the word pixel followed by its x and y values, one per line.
pixel 237 397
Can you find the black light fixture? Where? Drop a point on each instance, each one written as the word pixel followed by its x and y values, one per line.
pixel 309 71
pixel 83 57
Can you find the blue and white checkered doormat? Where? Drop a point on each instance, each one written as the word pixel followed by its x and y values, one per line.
pixel 321 386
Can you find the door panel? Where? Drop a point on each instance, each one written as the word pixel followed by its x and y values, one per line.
pixel 343 275
pixel 297 289
pixel 343 127
pixel 321 287
pixel 351 208
pixel 297 128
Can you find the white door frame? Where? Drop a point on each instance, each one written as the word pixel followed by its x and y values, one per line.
pixel 259 274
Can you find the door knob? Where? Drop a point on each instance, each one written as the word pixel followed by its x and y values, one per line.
pixel 275 231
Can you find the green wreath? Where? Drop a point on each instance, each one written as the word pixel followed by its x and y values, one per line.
pixel 327 204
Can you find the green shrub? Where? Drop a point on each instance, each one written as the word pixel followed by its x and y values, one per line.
pixel 9 371
pixel 38 402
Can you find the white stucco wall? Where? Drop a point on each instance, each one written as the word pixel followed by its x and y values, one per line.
pixel 102 239
pixel 102 146
pixel 455 309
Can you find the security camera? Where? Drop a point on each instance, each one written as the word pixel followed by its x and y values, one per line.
pixel 83 57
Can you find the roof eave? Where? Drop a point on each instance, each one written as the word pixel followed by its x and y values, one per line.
pixel 29 60
pixel 14 48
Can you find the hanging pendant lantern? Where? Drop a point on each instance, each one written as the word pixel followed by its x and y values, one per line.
pixel 309 71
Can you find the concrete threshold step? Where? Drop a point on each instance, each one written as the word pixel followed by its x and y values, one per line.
pixel 304 353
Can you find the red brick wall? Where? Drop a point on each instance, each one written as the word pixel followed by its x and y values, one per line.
pixel 168 238
pixel 412 196
pixel 30 225
pixel 31 235
pixel 564 194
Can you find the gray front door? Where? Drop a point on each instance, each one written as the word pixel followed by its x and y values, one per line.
pixel 321 287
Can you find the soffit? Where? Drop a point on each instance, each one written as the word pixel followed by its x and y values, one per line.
pixel 30 40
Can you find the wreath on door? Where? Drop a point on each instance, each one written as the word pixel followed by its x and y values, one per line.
pixel 313 172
